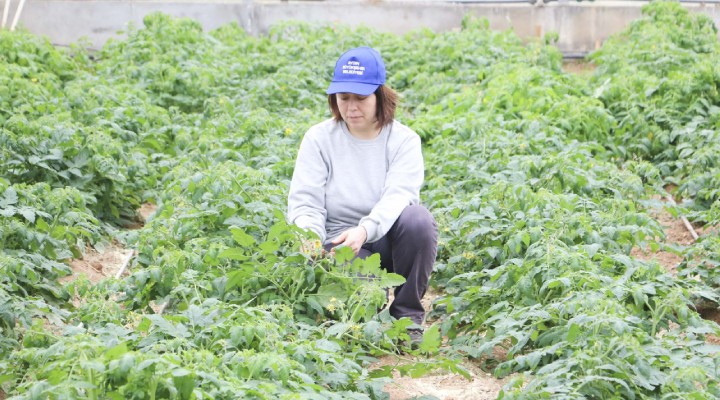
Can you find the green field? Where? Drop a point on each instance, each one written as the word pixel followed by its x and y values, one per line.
pixel 542 183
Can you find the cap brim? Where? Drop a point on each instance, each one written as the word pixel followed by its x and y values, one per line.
pixel 362 89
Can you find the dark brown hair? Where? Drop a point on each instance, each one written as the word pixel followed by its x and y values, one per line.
pixel 386 103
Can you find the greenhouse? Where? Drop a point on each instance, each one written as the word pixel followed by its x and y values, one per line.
pixel 361 199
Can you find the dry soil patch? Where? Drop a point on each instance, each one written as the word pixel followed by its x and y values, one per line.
pixel 442 385
pixel 98 265
pixel 675 233
pixel 578 67
pixel 146 211
pixel 143 214
pixel 445 386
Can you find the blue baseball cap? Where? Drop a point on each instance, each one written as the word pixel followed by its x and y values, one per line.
pixel 360 71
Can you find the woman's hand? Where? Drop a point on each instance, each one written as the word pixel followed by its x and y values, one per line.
pixel 353 238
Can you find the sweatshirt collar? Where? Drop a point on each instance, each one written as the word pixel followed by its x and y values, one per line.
pixel 383 133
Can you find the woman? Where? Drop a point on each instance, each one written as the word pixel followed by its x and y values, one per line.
pixel 357 180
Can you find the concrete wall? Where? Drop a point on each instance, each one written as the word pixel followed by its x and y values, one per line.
pixel 582 26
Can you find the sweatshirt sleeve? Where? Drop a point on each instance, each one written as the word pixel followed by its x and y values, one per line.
pixel 402 188
pixel 306 200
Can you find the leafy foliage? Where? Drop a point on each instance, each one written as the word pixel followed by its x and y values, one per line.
pixel 537 179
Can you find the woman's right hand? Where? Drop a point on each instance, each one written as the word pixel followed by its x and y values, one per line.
pixel 353 238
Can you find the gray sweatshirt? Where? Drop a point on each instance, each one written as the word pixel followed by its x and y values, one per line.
pixel 341 182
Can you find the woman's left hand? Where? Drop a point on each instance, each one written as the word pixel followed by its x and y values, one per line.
pixel 353 238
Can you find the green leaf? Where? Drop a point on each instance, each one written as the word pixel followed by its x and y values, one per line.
pixel 329 291
pixel 416 370
pixel 269 247
pixel 383 372
pixel 573 332
pixel 9 198
pixel 42 225
pixel 93 365
pixel 242 238
pixel 343 254
pixel 28 213
pixel 234 254
pixel 117 351
pixel 338 329
pixel 4 378
pixel 399 329
pixel 327 345
pixel 391 280
pixel 369 265
pixel 431 340
pixel 534 335
pixel 144 325
pixel 238 276
pixel 180 372
pixel 163 325
pixel 493 251
pixel 315 305
pixel 592 249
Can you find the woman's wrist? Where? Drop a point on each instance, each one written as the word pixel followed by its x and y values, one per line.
pixel 366 233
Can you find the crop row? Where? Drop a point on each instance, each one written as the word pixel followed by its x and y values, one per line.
pixel 538 180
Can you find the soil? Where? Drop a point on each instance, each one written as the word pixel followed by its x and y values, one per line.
pixel 143 215
pixel 441 385
pixel 98 265
pixel 712 315
pixel 146 211
pixel 445 386
pixel 675 234
pixel 578 67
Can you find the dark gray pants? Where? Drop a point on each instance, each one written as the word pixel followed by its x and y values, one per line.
pixel 408 249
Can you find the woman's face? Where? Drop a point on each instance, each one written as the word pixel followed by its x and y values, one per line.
pixel 358 112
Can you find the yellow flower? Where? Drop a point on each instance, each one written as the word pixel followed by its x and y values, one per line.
pixel 288 131
pixel 331 308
